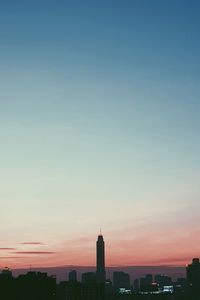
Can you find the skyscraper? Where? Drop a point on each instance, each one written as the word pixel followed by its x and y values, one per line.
pixel 72 275
pixel 100 260
pixel 193 276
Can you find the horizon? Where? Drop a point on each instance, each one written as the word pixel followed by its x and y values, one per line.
pixel 61 272
pixel 93 266
pixel 99 128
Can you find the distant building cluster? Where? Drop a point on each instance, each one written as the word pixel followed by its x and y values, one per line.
pixel 32 286
pixel 95 286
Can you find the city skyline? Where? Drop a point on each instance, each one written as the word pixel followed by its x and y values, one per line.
pixel 99 127
pixel 97 285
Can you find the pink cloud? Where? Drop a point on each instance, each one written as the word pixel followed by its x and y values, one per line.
pixel 32 243
pixel 9 257
pixel 34 252
pixel 7 248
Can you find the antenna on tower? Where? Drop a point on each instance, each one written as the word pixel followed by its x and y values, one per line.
pixel 100 231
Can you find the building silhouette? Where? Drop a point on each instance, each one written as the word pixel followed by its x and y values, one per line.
pixel 145 282
pixel 121 280
pixel 72 275
pixel 193 277
pixel 90 288
pixel 100 260
pixel 163 280
pixel 88 277
pixel 136 285
pixel 31 286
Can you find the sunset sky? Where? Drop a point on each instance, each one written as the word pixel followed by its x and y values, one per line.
pixel 99 128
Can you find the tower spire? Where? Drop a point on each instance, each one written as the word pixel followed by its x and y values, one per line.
pixel 100 259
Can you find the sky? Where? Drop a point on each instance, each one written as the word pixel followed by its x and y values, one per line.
pixel 99 128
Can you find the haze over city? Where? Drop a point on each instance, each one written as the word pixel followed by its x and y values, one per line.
pixel 99 128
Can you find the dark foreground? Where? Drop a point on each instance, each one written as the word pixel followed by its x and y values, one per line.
pixel 40 286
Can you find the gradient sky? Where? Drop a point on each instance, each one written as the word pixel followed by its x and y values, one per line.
pixel 99 127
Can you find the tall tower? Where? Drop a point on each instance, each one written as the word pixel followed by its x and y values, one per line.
pixel 100 259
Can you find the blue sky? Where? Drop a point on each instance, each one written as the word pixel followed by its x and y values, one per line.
pixel 99 117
